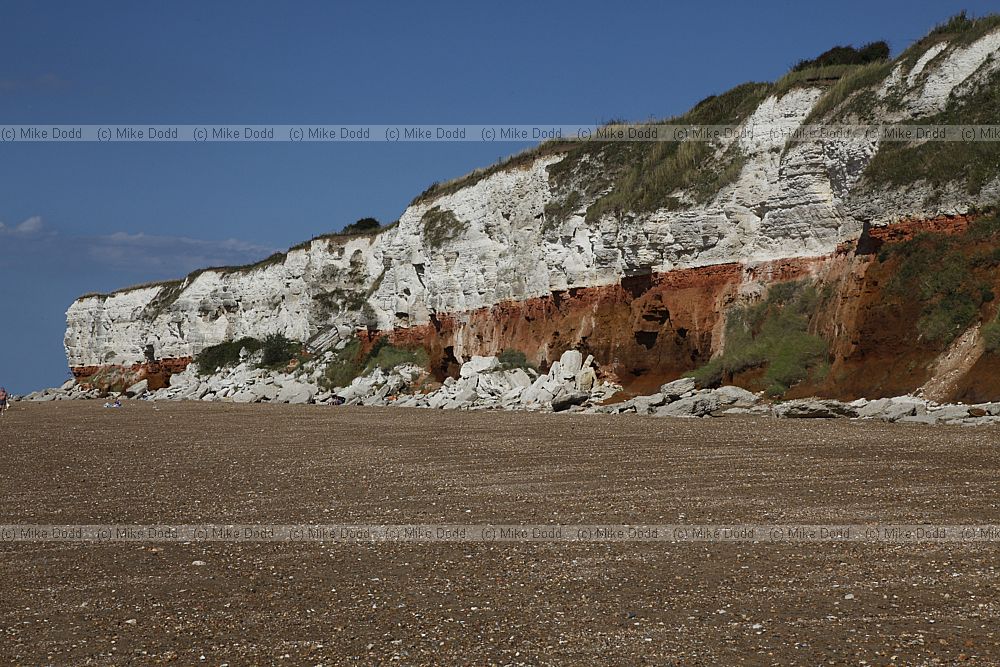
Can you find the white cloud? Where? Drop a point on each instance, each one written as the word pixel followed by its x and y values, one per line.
pixel 31 226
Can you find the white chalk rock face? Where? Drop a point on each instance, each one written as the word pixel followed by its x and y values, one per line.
pixel 942 70
pixel 492 240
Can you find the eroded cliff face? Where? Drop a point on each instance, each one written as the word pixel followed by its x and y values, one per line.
pixel 489 266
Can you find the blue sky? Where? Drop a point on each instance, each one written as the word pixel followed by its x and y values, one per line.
pixel 94 217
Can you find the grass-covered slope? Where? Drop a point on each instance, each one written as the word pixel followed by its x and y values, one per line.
pixel 973 163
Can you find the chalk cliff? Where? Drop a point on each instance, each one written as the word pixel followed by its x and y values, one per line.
pixel 633 252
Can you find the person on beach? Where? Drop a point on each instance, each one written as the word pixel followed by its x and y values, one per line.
pixel 4 401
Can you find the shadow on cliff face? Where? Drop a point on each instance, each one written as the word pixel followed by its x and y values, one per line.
pixel 642 332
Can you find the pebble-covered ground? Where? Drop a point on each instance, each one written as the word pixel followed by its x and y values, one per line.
pixel 484 604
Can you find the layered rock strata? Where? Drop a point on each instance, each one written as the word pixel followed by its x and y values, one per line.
pixel 507 260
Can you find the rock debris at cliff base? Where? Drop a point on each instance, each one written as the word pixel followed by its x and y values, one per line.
pixel 571 384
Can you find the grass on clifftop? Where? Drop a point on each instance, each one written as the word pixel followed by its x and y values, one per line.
pixel 641 177
pixel 654 171
pixel 959 31
pixel 522 159
pixel 855 81
pixel 773 333
pixel 897 163
pixel 832 68
pixel 846 55
pixel 360 229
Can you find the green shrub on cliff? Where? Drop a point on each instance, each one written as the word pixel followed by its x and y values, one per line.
pixel 344 366
pixel 510 359
pixel 773 334
pixel 362 226
pixel 386 356
pixel 847 55
pixel 349 363
pixel 948 275
pixel 441 225
pixel 991 336
pixel 278 351
pixel 224 355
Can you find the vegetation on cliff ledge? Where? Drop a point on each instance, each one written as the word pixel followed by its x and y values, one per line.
pixel 772 334
pixel 224 355
pixel 441 225
pixel 350 362
pixel 510 359
pixel 959 30
pixel 276 351
pixel 645 176
pixel 362 226
pixel 974 163
pixel 991 336
pixel 952 277
pixel 604 177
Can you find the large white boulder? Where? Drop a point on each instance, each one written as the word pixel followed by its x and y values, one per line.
pixel 586 378
pixel 518 378
pixel 692 406
pixel 138 389
pixel 570 363
pixel 477 365
pixel 677 388
pixel 736 396
pixel 295 392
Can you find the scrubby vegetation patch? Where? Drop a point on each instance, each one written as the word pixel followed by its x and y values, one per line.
pixel 974 163
pixel 276 351
pixel 655 172
pixel 773 334
pixel 950 276
pixel 349 362
pixel 224 355
pixel 511 359
pixel 441 225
